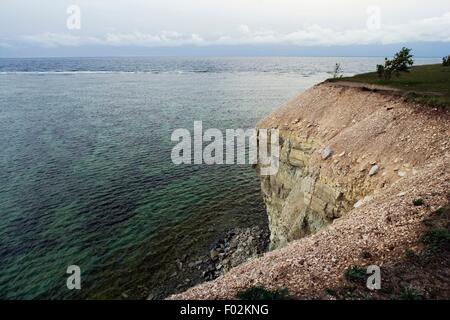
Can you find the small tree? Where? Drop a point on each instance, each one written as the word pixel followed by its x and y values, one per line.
pixel 380 70
pixel 337 73
pixel 446 61
pixel 401 62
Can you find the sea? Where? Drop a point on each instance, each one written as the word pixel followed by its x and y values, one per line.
pixel 86 176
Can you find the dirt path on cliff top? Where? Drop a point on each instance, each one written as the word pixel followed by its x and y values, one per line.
pixel 377 88
pixel 367 127
pixel 364 86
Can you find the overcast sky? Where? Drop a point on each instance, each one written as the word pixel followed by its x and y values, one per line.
pixel 39 27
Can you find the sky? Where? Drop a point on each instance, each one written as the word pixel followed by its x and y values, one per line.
pixel 223 27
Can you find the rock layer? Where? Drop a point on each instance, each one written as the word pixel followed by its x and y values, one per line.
pixel 299 201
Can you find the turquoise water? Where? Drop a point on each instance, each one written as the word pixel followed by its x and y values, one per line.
pixel 85 170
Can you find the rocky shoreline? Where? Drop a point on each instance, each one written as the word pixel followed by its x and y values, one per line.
pixel 233 248
pixel 236 247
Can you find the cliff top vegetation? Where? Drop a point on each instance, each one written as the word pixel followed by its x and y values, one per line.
pixel 427 84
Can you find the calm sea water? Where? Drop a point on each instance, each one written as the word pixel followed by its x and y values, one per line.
pixel 85 170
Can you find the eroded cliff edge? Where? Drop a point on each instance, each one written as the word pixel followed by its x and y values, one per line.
pixel 339 146
pixel 352 162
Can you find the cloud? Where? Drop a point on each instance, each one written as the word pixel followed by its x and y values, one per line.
pixel 6 45
pixel 435 29
pixel 425 30
pixel 166 38
pixel 51 40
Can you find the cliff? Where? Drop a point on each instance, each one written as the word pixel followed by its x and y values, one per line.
pixel 352 162
pixel 340 146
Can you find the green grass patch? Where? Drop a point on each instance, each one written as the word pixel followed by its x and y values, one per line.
pixel 437 240
pixel 260 293
pixel 427 84
pixel 409 293
pixel 331 292
pixel 412 256
pixel 356 274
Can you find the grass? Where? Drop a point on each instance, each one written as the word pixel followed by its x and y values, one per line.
pixel 427 84
pixel 259 293
pixel 418 202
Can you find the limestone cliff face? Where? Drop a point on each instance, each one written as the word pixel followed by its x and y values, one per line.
pixel 299 201
pixel 338 147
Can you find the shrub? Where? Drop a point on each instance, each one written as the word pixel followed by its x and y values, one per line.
pixel 401 62
pixel 380 70
pixel 446 61
pixel 411 255
pixel 418 202
pixel 259 293
pixel 355 274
